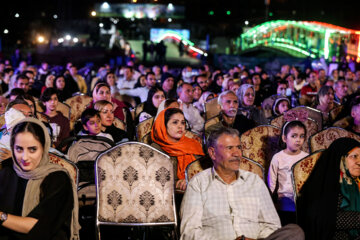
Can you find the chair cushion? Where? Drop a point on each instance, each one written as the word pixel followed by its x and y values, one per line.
pixel 135 185
pixel 77 104
pixel 144 128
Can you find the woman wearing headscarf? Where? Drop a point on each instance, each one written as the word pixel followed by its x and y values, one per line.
pixel 246 96
pixel 168 134
pixel 38 199
pixel 328 205
pixel 206 96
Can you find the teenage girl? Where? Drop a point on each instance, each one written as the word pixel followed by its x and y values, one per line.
pixel 279 177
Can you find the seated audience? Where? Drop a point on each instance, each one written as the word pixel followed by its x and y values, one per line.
pixel 59 85
pixel 325 102
pixel 328 205
pixel 229 116
pixel 225 202
pixel 281 105
pixel 279 181
pixel 341 91
pixel 168 134
pixel 191 113
pixel 91 122
pixel 155 97
pixel 197 92
pixel 168 85
pixel 60 125
pixel 246 97
pixel 106 112
pixel 38 200
pixel 200 104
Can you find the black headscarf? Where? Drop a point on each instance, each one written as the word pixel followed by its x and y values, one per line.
pixel 318 198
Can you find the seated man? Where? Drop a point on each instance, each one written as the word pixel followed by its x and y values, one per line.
pixel 228 117
pixel 227 203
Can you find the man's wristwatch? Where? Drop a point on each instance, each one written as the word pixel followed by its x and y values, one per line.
pixel 3 217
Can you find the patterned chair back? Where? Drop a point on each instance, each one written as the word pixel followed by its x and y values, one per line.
pixel 212 108
pixel 64 109
pixel 344 122
pixel 211 122
pixel 143 129
pixel 2 120
pixel 70 167
pixel 77 104
pixel 335 112
pixel 260 144
pixel 267 104
pixel 119 124
pixel 311 128
pixel 324 138
pixel 134 187
pixel 301 170
pixel 246 164
pixel 193 135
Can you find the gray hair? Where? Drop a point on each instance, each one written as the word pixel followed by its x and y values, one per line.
pixel 219 100
pixel 179 88
pixel 240 93
pixel 214 136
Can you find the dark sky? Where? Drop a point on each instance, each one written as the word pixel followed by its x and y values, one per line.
pixel 341 12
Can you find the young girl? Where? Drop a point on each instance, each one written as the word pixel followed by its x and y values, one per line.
pixel 279 177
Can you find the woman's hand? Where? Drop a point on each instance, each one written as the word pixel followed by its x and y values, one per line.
pixel 5 153
pixel 181 184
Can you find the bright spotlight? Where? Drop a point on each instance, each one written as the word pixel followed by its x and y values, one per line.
pixel 6 31
pixel 93 13
pixel 68 37
pixel 169 19
pixel 170 7
pixel 55 16
pixel 17 15
pixel 41 39
pixel 101 25
pixel 60 40
pixel 75 40
pixel 246 22
pixel 105 5
pixel 205 54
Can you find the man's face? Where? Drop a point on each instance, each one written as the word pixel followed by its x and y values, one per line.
pixel 281 89
pixel 312 78
pixel 25 109
pixel 202 83
pixel 226 154
pixel 31 79
pixel 73 70
pixel 127 73
pixel 150 80
pixel 322 74
pixel 256 80
pixel 349 76
pixel 186 95
pixel 229 105
pixel 23 83
pixel 341 89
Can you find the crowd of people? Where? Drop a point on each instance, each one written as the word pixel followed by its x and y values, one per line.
pixel 39 201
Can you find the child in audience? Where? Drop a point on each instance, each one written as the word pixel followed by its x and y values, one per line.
pixel 91 123
pixel 279 177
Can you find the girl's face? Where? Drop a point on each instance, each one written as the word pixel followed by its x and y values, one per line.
pixel 283 106
pixel 294 139
pixel 60 83
pixel 175 127
pixel 249 97
pixel 197 93
pixel 110 79
pixel 49 82
pixel 107 115
pixel 327 99
pixel 158 98
pixel 28 151
pixel 143 81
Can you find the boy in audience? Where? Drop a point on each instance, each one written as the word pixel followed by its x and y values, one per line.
pixel 91 123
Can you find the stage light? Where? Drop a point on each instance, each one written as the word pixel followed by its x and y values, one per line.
pixel 246 22
pixel 93 13
pixel 75 40
pixel 211 12
pixel 101 25
pixel 40 39
pixel 60 40
pixel 6 31
pixel 228 12
pixel 55 16
pixel 169 19
pixel 105 5
pixel 68 37
pixel 17 15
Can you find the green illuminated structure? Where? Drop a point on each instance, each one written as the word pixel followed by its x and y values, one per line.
pixel 303 39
